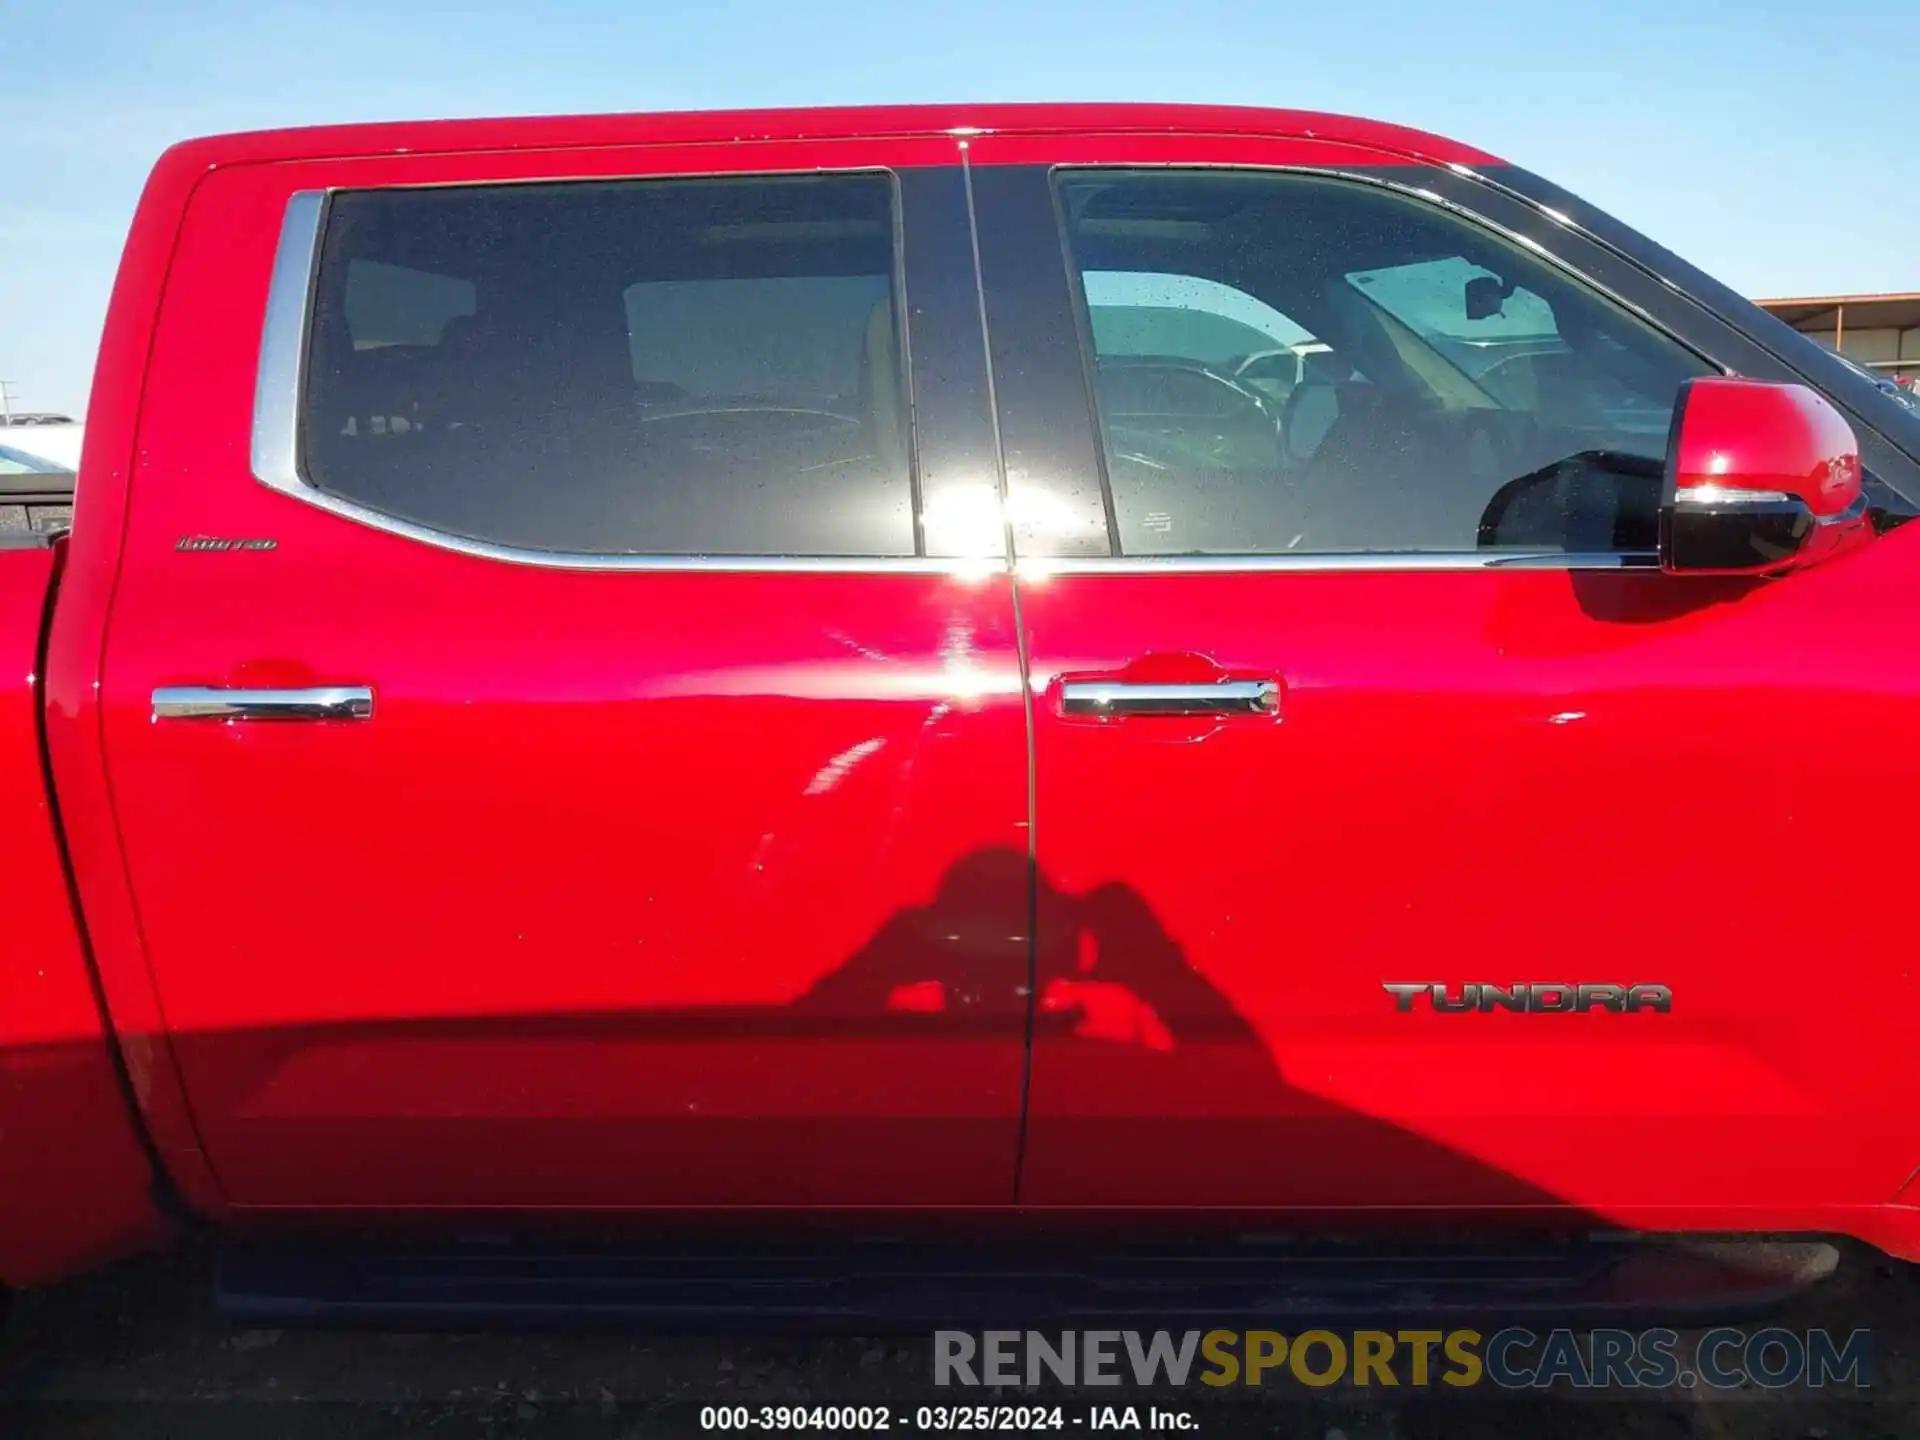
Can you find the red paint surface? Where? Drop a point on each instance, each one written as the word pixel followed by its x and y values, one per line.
pixel 1482 776
pixel 1753 435
pixel 75 655
pixel 742 130
pixel 73 1178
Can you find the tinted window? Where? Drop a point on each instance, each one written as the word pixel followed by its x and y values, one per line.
pixel 649 367
pixel 1295 364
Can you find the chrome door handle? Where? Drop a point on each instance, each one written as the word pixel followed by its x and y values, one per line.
pixel 1120 697
pixel 213 702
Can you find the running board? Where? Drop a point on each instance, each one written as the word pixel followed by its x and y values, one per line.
pixel 888 1287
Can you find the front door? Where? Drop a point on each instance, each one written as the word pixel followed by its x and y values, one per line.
pixel 1356 684
pixel 665 841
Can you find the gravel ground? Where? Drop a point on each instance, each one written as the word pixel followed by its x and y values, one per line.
pixel 139 1351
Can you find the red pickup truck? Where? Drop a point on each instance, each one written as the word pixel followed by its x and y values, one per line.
pixel 986 663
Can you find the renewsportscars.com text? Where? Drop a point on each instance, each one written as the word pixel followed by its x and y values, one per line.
pixel 1515 1358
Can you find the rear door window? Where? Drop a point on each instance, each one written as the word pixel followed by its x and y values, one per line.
pixel 656 367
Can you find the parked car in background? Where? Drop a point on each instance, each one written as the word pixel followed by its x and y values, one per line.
pixel 16 461
pixel 1882 381
pixel 560 702
pixel 52 442
pixel 36 492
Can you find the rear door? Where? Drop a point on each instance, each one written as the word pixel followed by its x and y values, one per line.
pixel 563 757
pixel 1335 489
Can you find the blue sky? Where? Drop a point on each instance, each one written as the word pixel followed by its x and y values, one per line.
pixel 1776 144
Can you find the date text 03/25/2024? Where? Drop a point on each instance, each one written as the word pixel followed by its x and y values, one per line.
pixel 998 1418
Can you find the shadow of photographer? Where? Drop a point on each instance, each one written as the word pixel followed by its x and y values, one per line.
pixel 1146 1086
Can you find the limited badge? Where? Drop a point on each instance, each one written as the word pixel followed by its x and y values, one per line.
pixel 223 542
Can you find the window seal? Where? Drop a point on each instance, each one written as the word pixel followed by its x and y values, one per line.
pixel 1083 325
pixel 280 389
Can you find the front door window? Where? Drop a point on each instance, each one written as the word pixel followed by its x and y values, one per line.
pixel 1293 364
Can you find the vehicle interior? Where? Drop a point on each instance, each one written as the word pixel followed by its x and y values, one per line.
pixel 1387 432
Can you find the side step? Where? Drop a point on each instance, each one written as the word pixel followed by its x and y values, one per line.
pixel 881 1286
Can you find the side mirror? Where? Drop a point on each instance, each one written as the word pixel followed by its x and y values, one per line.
pixel 1761 478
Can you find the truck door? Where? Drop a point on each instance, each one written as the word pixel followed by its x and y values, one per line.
pixel 1354 678
pixel 567 740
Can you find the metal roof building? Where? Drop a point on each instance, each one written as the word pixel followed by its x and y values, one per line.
pixel 1882 332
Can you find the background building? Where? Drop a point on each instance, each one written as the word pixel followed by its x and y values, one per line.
pixel 1881 332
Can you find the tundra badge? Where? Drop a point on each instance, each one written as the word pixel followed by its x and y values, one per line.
pixel 1531 999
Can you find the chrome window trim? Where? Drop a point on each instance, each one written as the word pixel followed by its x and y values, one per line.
pixel 1040 567
pixel 275 445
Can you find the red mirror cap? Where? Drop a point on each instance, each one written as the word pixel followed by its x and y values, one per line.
pixel 1733 435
